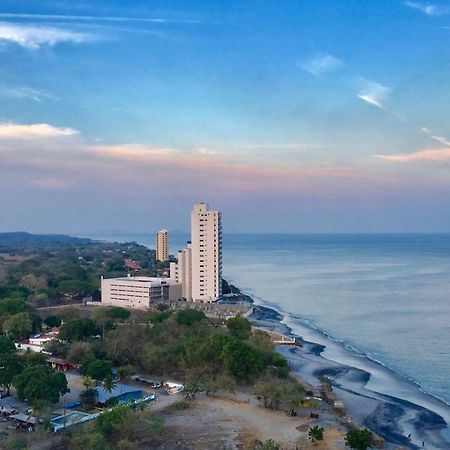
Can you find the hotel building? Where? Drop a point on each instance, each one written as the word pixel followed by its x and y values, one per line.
pixel 162 245
pixel 138 292
pixel 206 251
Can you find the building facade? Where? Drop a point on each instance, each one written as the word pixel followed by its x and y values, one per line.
pixel 206 253
pixel 162 245
pixel 181 271
pixel 138 292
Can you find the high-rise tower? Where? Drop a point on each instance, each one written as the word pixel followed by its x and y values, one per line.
pixel 162 245
pixel 206 249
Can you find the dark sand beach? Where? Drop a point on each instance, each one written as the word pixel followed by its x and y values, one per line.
pixel 366 388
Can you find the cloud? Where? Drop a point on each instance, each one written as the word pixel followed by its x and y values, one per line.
pixel 78 18
pixel 428 8
pixel 374 93
pixel 432 155
pixel 441 139
pixel 321 64
pixel 25 92
pixel 33 37
pixel 13 131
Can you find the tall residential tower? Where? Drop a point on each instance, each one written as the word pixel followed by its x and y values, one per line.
pixel 162 245
pixel 206 253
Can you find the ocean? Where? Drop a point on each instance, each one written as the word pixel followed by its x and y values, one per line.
pixel 384 297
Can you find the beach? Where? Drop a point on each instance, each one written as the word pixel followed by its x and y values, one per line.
pixel 364 391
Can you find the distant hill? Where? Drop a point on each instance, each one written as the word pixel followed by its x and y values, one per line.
pixel 22 237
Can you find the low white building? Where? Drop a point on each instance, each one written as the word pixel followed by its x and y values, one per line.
pixel 138 292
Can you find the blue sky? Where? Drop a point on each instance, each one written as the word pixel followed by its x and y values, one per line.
pixel 306 115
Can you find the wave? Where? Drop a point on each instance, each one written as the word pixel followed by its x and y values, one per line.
pixel 348 347
pixel 362 354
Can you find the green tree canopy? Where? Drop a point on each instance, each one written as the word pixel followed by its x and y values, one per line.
pixel 18 326
pixel 241 360
pixel 40 385
pixel 98 369
pixel 52 321
pixel 77 330
pixel 359 439
pixel 239 327
pixel 189 316
pixel 7 346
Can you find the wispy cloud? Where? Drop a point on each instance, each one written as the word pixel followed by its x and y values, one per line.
pixel 79 18
pixel 33 37
pixel 432 155
pixel 374 93
pixel 428 8
pixel 14 131
pixel 321 64
pixel 26 92
pixel 441 139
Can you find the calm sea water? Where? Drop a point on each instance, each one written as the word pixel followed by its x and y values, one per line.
pixel 385 295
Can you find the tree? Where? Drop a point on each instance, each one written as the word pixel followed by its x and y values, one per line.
pixel 52 321
pixel 12 306
pixel 7 346
pixel 191 389
pixel 293 394
pixel 68 313
pixel 11 366
pixel 239 327
pixel 189 316
pixel 359 439
pixel 40 385
pixel 113 421
pixel 119 313
pixel 98 369
pixel 270 392
pixel 241 360
pixel 109 384
pixel 88 382
pixel 316 433
pixel 102 318
pixel 79 351
pixel 18 326
pixel 88 397
pixel 92 440
pixel 77 330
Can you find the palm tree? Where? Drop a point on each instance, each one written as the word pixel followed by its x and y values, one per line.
pixel 88 382
pixel 109 384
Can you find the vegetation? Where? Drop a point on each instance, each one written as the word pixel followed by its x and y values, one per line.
pixel 239 327
pixel 270 444
pixel 118 429
pixel 40 385
pixel 277 393
pixel 359 439
pixel 51 270
pixel 315 433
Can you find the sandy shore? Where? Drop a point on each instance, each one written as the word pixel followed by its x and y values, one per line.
pixel 391 417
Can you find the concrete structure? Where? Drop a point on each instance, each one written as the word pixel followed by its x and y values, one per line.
pixel 162 245
pixel 181 271
pixel 206 249
pixel 138 292
pixel 37 343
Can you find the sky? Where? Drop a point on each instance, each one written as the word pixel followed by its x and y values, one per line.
pixel 287 115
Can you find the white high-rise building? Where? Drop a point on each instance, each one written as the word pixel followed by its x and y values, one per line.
pixel 162 245
pixel 181 271
pixel 206 250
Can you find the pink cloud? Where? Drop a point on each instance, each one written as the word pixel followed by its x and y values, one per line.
pixel 432 155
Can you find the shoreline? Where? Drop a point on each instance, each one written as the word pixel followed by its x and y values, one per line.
pixel 374 395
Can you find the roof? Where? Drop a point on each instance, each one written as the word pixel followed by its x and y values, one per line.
pixel 119 390
pixel 146 378
pixel 24 418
